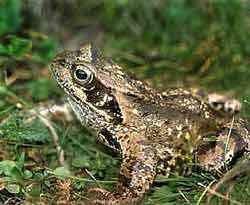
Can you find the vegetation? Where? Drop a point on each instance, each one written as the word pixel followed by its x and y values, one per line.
pixel 185 43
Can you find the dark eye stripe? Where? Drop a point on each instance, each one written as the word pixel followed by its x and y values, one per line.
pixel 96 97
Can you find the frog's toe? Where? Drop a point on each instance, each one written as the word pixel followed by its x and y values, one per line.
pixel 232 106
pixel 98 191
pixel 223 103
pixel 99 196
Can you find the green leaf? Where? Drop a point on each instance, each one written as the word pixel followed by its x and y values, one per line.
pixel 62 172
pixel 35 190
pixel 81 162
pixel 27 174
pixel 3 90
pixel 44 50
pixel 13 188
pixel 10 169
pixel 6 167
pixel 3 50
pixel 19 129
pixel 10 17
pixel 41 89
pixel 21 160
pixel 16 174
pixel 18 47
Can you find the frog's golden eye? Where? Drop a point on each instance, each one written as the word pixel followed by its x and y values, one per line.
pixel 83 75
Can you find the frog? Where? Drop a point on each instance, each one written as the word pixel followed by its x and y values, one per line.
pixel 153 132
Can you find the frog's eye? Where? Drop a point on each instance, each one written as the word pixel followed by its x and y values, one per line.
pixel 83 75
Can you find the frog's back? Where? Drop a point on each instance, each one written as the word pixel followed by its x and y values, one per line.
pixel 179 120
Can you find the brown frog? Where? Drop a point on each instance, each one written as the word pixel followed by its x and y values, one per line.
pixel 153 132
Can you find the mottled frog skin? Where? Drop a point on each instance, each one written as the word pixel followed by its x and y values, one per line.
pixel 153 132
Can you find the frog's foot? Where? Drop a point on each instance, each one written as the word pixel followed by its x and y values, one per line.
pixel 98 196
pixel 223 104
pixel 219 151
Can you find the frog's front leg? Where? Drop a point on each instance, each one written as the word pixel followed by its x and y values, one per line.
pixel 138 170
pixel 51 110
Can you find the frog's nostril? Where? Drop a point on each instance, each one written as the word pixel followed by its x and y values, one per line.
pixel 62 61
pixel 58 61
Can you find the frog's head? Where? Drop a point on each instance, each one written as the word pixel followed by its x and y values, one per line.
pixel 95 86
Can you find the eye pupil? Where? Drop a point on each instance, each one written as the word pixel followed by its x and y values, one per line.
pixel 81 74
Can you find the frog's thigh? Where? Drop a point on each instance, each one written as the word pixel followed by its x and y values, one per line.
pixel 216 154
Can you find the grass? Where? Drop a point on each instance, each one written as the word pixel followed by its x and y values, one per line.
pixel 184 43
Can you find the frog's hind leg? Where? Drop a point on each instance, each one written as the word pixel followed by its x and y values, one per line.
pixel 219 151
